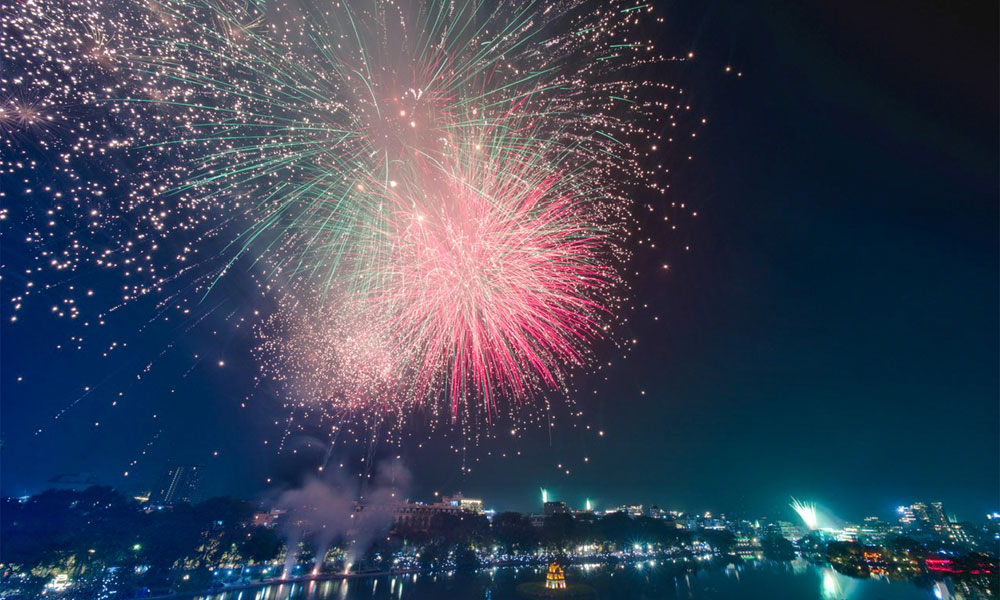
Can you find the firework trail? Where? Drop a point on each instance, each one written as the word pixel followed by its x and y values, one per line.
pixel 806 512
pixel 437 193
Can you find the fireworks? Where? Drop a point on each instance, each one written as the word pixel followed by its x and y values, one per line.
pixel 806 512
pixel 437 194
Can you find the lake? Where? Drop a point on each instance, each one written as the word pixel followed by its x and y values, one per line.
pixel 638 581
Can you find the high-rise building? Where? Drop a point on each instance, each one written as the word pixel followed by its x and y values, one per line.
pixel 906 515
pixel 931 519
pixel 924 515
pixel 936 517
pixel 178 483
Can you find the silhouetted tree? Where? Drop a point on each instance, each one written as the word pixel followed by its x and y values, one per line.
pixel 261 544
pixel 720 540
pixel 558 531
pixel 433 555
pixel 466 560
pixel 776 547
pixel 617 529
pixel 445 528
pixel 513 531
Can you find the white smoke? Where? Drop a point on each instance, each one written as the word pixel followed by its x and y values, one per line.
pixel 324 511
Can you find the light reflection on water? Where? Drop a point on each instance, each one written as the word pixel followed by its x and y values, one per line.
pixel 637 581
pixel 832 590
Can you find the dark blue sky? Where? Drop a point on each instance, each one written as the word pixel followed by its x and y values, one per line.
pixel 832 333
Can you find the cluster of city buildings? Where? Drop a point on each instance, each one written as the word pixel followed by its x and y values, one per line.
pixel 931 519
pixel 413 516
pixel 926 522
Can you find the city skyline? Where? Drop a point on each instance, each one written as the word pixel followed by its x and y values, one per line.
pixel 176 484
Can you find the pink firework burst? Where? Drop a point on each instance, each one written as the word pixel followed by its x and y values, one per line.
pixel 494 280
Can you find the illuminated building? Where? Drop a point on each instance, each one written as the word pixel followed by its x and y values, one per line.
pixel 848 533
pixel 632 510
pixel 932 519
pixel 935 512
pixel 708 521
pixel 788 531
pixel 958 534
pixel 555 577
pixel 747 548
pixel 267 519
pixel 555 508
pixel 906 516
pixel 873 531
pixel 467 504
pixel 178 483
pixel 417 515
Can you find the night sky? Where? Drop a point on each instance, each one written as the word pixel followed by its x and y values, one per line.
pixel 831 334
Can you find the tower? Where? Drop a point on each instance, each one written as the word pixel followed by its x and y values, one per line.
pixel 555 577
pixel 177 483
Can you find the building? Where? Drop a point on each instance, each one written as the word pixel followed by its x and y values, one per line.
pixel 923 515
pixel 555 508
pixel 747 548
pixel 848 533
pixel 707 521
pixel 906 515
pixel 935 513
pixel 873 531
pixel 267 519
pixel 632 510
pixel 417 516
pixel 466 504
pixel 930 519
pixel 957 533
pixel 788 531
pixel 178 483
pixel 555 577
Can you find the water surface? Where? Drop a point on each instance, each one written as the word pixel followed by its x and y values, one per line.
pixel 644 581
